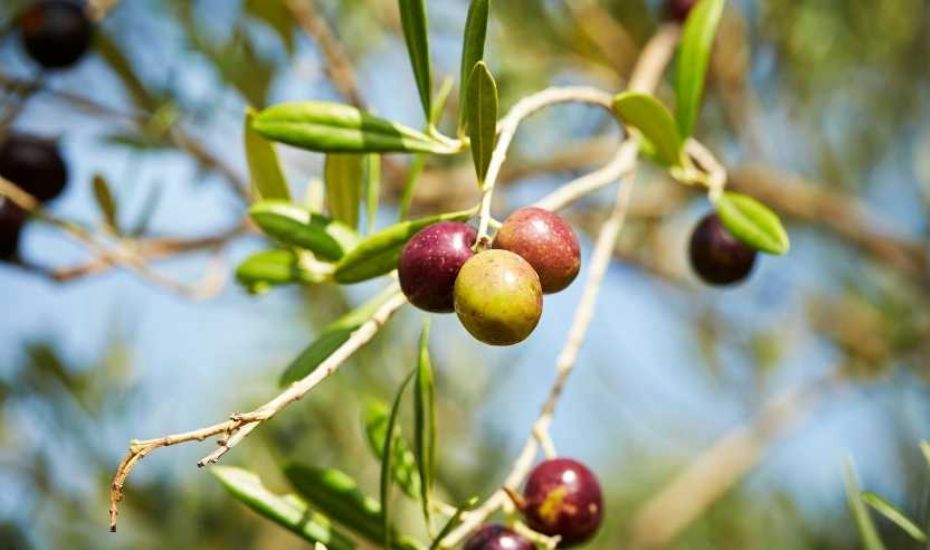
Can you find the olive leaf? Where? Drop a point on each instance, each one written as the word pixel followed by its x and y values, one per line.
pixel 343 175
pixel 334 127
pixel 476 30
pixel 897 517
pixel 106 202
pixel 482 117
pixel 289 511
pixel 333 337
pixel 424 414
pixel 403 462
pixel 453 521
pixel 752 223
pixel 264 168
pixel 693 58
pixel 656 124
pixel 378 253
pixel 295 226
pixel 868 534
pixel 387 460
pixel 262 270
pixel 372 190
pixel 414 22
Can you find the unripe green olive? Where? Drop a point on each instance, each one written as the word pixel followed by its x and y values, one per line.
pixel 498 297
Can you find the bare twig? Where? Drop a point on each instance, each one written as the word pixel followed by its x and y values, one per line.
pixel 234 430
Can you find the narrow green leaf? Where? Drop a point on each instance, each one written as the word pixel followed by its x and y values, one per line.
pixel 112 54
pixel 106 202
pixel 424 414
pixel 656 124
pixel 868 534
pixel 337 496
pixel 693 58
pixel 264 169
pixel 333 127
pixel 897 517
pixel 404 464
pixel 378 253
pixel 276 15
pixel 753 223
pixel 476 30
pixel 482 117
pixel 453 521
pixel 343 175
pixel 414 21
pixel 925 449
pixel 289 511
pixel 262 270
pixel 387 461
pixel 296 226
pixel 332 337
pixel 372 190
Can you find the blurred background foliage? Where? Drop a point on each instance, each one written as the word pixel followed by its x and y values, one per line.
pixel 820 107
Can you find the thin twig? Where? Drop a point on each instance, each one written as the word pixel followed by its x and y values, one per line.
pixel 234 430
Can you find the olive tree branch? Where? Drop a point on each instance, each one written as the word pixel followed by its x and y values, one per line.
pixel 646 76
pixel 234 430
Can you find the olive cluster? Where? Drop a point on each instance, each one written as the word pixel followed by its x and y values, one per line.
pixel 55 34
pixel 562 498
pixel 497 293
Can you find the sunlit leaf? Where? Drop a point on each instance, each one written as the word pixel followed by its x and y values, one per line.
pixel 868 534
pixel 106 202
pixel 424 414
pixel 387 460
pixel 343 174
pixel 332 337
pixel 897 517
pixel 295 226
pixel 264 168
pixel 925 449
pixel 476 30
pixel 378 253
pixel 656 124
pixel 414 21
pixel 262 270
pixel 482 117
pixel 334 127
pixel 693 58
pixel 289 511
pixel 752 223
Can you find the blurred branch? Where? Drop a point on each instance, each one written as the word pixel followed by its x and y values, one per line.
pixel 122 254
pixel 709 476
pixel 648 71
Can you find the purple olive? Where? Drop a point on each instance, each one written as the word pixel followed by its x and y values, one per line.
pixel 56 33
pixel 678 10
pixel 35 164
pixel 717 256
pixel 12 219
pixel 496 537
pixel 430 263
pixel 563 498
pixel 546 242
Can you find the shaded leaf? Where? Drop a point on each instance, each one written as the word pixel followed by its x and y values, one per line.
pixel 424 414
pixel 482 117
pixel 453 521
pixel 752 223
pixel 343 174
pixel 295 226
pixel 868 534
pixel 476 30
pixel 656 124
pixel 112 55
pixel 387 460
pixel 105 202
pixel 414 21
pixel 378 253
pixel 404 464
pixel 334 127
pixel 264 168
pixel 276 15
pixel 332 337
pixel 288 511
pixel 897 517
pixel 372 190
pixel 693 58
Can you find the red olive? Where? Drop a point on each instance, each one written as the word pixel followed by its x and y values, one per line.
pixel 430 263
pixel 545 241
pixel 563 498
